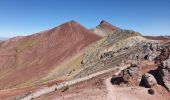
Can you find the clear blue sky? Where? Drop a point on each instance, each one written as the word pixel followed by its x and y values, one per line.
pixel 23 17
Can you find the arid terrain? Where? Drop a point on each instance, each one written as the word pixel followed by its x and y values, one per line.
pixel 71 62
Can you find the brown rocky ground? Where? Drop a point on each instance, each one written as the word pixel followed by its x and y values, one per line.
pixel 101 88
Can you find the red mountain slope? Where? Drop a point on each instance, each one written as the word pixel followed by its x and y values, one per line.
pixel 32 57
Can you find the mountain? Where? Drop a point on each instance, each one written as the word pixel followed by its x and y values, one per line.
pixel 70 62
pixel 118 66
pixel 3 39
pixel 30 58
pixel 157 37
pixel 104 28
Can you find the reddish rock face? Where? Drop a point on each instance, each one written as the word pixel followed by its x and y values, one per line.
pixel 31 57
pixel 107 25
pixel 104 29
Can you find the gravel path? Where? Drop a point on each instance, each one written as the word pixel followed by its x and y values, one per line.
pixel 55 87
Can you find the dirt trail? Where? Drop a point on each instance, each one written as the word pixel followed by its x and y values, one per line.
pixel 55 87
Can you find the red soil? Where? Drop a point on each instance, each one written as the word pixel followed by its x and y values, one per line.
pixel 32 57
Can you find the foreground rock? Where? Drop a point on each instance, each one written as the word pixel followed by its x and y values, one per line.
pixel 164 72
pixel 131 76
pixel 164 67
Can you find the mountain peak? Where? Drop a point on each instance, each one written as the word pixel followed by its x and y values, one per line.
pixel 104 23
pixel 72 23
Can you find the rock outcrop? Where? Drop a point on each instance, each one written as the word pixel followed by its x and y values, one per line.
pixel 163 61
pixel 132 75
pixel 164 55
pixel 164 72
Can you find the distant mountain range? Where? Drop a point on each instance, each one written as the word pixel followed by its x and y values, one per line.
pixel 2 39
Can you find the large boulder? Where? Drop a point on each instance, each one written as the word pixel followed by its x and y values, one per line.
pixel 149 80
pixel 132 75
pixel 164 72
pixel 164 67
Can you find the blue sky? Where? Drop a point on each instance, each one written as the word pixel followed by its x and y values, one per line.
pixel 24 17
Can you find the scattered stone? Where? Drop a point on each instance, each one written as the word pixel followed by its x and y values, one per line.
pixel 151 91
pixel 65 89
pixel 82 62
pixel 106 55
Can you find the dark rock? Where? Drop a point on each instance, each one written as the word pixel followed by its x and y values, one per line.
pixel 116 80
pixel 149 80
pixel 106 55
pixel 151 91
pixel 82 62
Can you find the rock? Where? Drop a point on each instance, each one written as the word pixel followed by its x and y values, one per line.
pixel 151 91
pixel 165 52
pixel 150 51
pixel 149 80
pixel 132 76
pixel 82 62
pixel 164 73
pixel 164 68
pixel 120 34
pixel 163 61
pixel 106 55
